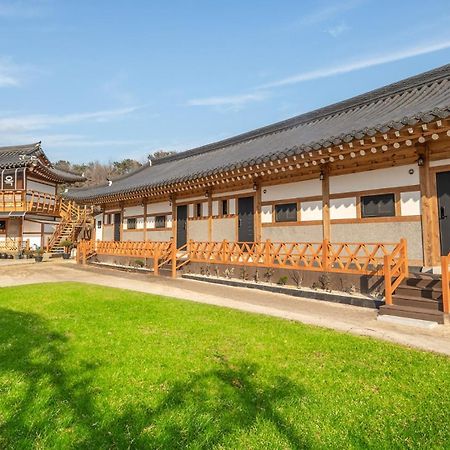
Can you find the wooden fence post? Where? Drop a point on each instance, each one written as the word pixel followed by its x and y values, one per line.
pixel 173 250
pixel 267 253
pixel 224 250
pixel 325 261
pixel 387 280
pixel 445 261
pixel 404 243
pixel 156 262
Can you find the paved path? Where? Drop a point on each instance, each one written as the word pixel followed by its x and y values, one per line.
pixel 351 319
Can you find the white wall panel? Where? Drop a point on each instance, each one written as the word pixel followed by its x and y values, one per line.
pixel 156 208
pixel 232 206
pixel 215 208
pixel 343 208
pixel 311 210
pixel 375 179
pixel 441 162
pixel 410 203
pixel 266 214
pixel 40 187
pixel 131 211
pixel 308 188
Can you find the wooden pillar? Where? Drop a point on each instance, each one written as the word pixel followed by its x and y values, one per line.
pixel 426 204
pixel 258 214
pixel 174 219
pixel 121 221
pixel 326 203
pixel 145 219
pixel 210 219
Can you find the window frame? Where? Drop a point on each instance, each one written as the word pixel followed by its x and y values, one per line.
pixel 198 207
pixel 158 222
pixel 131 220
pixel 288 220
pixel 366 215
pixel 224 207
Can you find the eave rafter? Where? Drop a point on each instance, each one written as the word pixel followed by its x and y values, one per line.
pixel 354 154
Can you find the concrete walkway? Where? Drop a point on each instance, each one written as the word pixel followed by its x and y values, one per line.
pixel 350 319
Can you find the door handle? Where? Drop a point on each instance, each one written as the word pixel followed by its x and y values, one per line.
pixel 443 215
pixel 239 223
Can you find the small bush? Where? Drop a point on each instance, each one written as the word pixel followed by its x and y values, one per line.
pixel 282 280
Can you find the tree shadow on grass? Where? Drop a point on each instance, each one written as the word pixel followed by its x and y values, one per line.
pixel 46 400
pixel 38 392
pixel 211 408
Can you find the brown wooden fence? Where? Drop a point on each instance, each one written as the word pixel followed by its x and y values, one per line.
pixel 382 259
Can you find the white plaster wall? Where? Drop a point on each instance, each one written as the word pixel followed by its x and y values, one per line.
pixel 224 228
pixel 169 221
pixel 159 235
pixel 108 233
pixel 232 206
pixel 49 228
pixel 375 179
pixel 99 231
pixel 134 236
pixel 157 208
pixel 307 233
pixel 215 208
pixel 31 227
pixel 343 208
pixel 308 188
pixel 311 211
pixel 204 209
pixel 131 211
pixel 40 187
pixel 410 203
pixel 190 210
pixel 440 162
pixel 197 230
pixel 150 223
pixel 266 214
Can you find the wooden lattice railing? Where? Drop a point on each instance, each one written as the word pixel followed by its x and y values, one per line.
pixel 381 259
pixel 30 201
pixel 445 265
pixel 14 244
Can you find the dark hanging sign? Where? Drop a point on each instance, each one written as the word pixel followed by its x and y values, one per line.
pixel 11 179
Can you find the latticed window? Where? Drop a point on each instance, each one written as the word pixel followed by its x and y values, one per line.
pixel 160 222
pixel 378 205
pixel 131 223
pixel 286 212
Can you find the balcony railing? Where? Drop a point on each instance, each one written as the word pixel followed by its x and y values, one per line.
pixel 30 201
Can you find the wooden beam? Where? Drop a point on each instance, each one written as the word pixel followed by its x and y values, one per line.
pixel 210 219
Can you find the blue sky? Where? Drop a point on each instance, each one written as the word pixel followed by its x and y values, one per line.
pixel 105 80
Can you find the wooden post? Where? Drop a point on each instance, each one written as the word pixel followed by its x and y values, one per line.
pixel 174 258
pixel 84 253
pixel 258 225
pixel 325 260
pixel 156 262
pixel 445 261
pixel 145 220
pixel 210 219
pixel 326 203
pixel 224 250
pixel 426 203
pixel 267 256
pixel 387 280
pixel 404 243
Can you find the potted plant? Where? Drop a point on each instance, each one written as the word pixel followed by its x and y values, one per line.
pixel 68 245
pixel 39 254
pixel 29 254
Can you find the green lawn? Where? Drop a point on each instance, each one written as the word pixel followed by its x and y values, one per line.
pixel 90 367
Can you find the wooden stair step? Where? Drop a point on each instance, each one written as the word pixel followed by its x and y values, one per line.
pixel 411 313
pixel 417 302
pixel 421 292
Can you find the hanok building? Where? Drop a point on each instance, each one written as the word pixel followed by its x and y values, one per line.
pixel 30 208
pixel 371 169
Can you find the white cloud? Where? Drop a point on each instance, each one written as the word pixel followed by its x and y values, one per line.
pixel 337 30
pixel 234 101
pixel 43 121
pixel 358 65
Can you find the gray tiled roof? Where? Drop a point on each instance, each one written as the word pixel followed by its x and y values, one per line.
pixel 33 155
pixel 417 99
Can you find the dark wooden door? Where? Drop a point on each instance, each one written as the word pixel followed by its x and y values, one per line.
pixel 117 224
pixel 443 193
pixel 181 225
pixel 246 231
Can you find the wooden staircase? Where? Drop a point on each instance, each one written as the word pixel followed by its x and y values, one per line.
pixel 418 297
pixel 73 220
